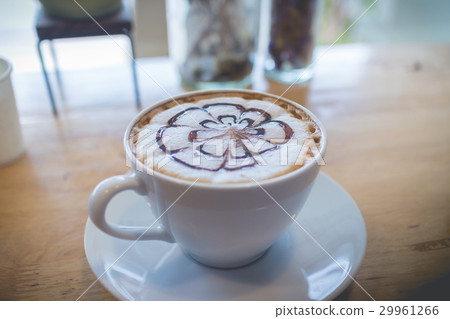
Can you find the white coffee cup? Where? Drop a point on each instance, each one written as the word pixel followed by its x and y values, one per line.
pixel 219 225
pixel 11 145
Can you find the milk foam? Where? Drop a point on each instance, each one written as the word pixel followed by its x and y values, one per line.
pixel 225 140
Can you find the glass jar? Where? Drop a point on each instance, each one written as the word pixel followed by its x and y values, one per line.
pixel 213 42
pixel 293 27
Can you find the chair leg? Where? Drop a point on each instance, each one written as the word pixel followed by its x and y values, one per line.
pixel 55 63
pixel 47 82
pixel 133 67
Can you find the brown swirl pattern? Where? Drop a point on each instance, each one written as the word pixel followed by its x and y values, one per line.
pixel 222 134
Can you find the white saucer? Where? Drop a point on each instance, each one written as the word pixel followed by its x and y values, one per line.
pixel 294 268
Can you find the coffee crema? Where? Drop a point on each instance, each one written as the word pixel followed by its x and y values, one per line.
pixel 225 139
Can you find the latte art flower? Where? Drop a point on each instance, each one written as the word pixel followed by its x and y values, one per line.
pixel 221 136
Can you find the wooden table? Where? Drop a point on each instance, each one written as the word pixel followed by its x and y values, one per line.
pixel 387 111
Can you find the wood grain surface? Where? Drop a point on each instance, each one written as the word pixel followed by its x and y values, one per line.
pixel 387 112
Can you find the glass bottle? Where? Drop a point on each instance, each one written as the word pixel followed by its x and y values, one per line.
pixel 213 42
pixel 293 28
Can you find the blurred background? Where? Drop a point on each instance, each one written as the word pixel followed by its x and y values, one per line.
pixel 85 61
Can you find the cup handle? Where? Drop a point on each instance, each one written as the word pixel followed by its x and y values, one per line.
pixel 100 198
